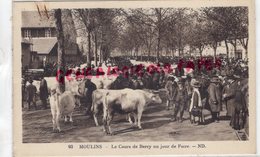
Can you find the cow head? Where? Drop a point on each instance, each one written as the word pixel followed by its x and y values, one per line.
pixel 155 98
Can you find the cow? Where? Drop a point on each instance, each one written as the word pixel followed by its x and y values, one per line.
pixel 62 105
pixel 97 102
pixel 98 97
pixel 126 101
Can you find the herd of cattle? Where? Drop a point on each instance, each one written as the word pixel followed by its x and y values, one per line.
pixel 108 101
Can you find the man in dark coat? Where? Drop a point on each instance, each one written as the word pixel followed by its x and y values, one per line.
pixel 44 94
pixel 236 100
pixel 180 101
pixel 90 87
pixel 31 93
pixel 214 100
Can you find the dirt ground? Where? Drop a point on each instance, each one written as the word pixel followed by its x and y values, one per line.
pixel 37 128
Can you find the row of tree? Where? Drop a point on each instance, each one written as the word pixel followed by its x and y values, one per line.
pixel 156 30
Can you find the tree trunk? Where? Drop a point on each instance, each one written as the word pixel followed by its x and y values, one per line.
pixel 158 48
pixel 89 48
pixel 244 43
pixel 159 34
pixel 179 50
pixel 215 46
pixel 227 49
pixel 96 49
pixel 149 52
pixel 100 53
pixel 234 43
pixel 215 53
pixel 60 38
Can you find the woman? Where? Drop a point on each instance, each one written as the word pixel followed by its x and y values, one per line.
pixel 195 108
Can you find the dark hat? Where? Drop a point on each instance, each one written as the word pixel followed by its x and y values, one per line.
pixel 215 79
pixel 180 81
pixel 31 81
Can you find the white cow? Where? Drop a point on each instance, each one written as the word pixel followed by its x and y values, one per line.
pixel 62 105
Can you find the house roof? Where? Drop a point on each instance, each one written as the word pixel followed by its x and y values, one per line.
pixel 26 41
pixel 43 45
pixel 32 19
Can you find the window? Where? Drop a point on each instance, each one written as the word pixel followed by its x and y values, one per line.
pixel 47 32
pixel 27 33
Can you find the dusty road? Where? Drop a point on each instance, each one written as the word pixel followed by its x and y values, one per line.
pixel 37 128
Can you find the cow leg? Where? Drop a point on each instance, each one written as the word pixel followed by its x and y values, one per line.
pixel 135 117
pixel 53 113
pixel 139 115
pixel 54 124
pixel 105 120
pixel 109 120
pixel 95 119
pixel 66 118
pixel 58 122
pixel 129 118
pixel 70 115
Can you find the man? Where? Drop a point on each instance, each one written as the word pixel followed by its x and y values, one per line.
pixel 214 91
pixel 169 86
pixel 89 89
pixel 31 91
pixel 189 89
pixel 44 94
pixel 180 101
pixel 236 100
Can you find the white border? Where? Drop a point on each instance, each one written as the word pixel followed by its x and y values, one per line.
pixel 5 78
pixel 6 71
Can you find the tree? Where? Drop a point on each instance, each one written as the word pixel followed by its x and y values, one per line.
pixel 232 24
pixel 60 38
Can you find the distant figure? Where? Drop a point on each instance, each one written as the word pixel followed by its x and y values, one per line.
pixel 215 98
pixel 90 87
pixel 180 100
pixel 31 91
pixel 44 94
pixel 170 93
pixel 195 108
pixel 236 101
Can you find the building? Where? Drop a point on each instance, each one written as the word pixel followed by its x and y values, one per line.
pixel 39 40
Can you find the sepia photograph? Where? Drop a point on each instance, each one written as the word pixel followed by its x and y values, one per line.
pixel 134 74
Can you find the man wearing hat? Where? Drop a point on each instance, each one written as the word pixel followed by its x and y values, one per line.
pixel 44 93
pixel 170 88
pixel 31 91
pixel 89 89
pixel 180 100
pixel 214 98
pixel 235 101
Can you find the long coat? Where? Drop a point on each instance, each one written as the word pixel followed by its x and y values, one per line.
pixel 44 93
pixel 89 89
pixel 169 88
pixel 236 100
pixel 31 90
pixel 214 97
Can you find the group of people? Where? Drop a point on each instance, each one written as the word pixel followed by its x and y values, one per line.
pixel 214 93
pixel 224 89
pixel 30 94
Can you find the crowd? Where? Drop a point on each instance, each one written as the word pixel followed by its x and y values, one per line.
pixel 213 87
